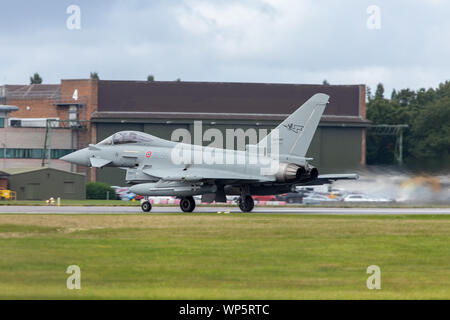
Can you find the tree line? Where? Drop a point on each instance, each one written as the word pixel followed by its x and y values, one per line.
pixel 426 141
pixel 37 79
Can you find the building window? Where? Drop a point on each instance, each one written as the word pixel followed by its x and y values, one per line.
pixel 36 153
pixel 58 153
pixel 15 153
pixel 32 153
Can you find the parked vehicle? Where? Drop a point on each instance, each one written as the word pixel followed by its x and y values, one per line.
pixel 123 193
pixel 120 192
pixel 291 197
pixel 316 198
pixel 264 198
pixel 337 194
pixel 232 198
pixel 364 198
pixel 127 196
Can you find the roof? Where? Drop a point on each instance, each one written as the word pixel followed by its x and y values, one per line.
pixel 151 116
pixel 227 100
pixel 11 171
pixel 7 108
pixel 14 171
pixel 32 91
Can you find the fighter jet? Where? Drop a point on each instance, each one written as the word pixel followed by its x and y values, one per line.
pixel 158 167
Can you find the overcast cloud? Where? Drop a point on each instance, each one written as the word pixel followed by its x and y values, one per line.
pixel 286 41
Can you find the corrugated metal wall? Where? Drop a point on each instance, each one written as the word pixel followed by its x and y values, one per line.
pixel 46 183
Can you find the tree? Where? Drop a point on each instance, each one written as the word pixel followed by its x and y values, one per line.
pixel 406 97
pixel 36 79
pixel 150 78
pixel 99 190
pixel 380 149
pixel 425 97
pixel 393 94
pixel 369 93
pixel 379 93
pixel 431 131
pixel 94 76
pixel 426 142
pixel 325 82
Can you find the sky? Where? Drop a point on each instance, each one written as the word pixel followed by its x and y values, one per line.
pixel 402 44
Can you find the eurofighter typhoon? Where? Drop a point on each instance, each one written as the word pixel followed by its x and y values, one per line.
pixel 158 167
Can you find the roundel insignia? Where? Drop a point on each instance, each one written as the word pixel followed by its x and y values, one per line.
pixel 148 154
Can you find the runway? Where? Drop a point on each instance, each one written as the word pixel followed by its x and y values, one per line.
pixel 201 209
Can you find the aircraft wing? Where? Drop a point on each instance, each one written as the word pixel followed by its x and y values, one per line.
pixel 197 174
pixel 329 178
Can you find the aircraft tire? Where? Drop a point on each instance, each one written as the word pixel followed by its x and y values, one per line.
pixel 146 206
pixel 246 204
pixel 187 204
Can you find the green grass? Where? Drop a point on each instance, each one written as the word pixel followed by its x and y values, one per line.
pixel 232 256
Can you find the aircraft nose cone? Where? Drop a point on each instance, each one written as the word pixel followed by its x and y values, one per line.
pixel 78 157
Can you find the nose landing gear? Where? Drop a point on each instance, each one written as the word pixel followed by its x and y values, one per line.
pixel 146 206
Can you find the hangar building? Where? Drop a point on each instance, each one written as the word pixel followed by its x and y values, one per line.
pixel 91 110
pixel 44 183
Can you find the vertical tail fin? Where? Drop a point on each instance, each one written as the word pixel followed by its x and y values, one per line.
pixel 296 131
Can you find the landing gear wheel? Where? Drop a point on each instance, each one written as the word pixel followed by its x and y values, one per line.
pixel 246 203
pixel 146 206
pixel 187 204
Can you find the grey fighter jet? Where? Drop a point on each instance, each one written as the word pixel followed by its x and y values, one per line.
pixel 158 167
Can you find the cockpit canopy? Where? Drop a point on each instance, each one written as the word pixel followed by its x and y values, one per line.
pixel 126 137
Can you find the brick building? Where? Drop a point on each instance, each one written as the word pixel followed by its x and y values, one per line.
pixel 86 111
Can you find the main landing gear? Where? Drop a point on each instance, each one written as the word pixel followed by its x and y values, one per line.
pixel 187 204
pixel 146 206
pixel 246 203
